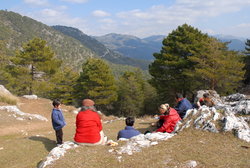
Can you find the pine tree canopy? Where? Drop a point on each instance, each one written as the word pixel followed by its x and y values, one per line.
pixel 96 82
pixel 190 60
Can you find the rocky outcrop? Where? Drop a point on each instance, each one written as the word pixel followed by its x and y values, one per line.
pixel 229 114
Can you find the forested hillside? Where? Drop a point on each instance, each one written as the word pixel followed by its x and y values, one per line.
pixel 16 29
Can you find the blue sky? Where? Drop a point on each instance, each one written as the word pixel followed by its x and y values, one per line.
pixel 140 18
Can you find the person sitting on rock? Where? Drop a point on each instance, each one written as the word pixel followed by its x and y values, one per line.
pixel 89 125
pixel 129 130
pixel 205 100
pixel 183 105
pixel 168 119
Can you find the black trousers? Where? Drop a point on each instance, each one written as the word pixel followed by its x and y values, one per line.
pixel 59 136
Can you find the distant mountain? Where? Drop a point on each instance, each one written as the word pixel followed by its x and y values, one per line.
pixel 135 47
pixel 100 49
pixel 16 29
pixel 236 43
pixel 132 46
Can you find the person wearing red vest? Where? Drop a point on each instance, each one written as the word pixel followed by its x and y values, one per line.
pixel 169 117
pixel 89 125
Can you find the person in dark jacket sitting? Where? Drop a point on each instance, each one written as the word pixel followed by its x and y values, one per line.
pixel 129 130
pixel 183 105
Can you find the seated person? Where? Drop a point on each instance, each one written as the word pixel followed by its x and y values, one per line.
pixel 89 125
pixel 129 130
pixel 168 119
pixel 183 105
pixel 205 100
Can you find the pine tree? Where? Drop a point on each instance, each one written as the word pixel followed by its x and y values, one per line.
pixel 169 67
pixel 64 82
pixel 130 95
pixel 217 68
pixel 247 62
pixel 97 82
pixel 34 65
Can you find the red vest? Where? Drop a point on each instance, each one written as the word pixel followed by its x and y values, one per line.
pixel 88 127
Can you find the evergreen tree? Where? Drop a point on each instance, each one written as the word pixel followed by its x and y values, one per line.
pixel 217 68
pixel 3 62
pixel 247 62
pixel 169 67
pixel 34 64
pixel 130 95
pixel 64 82
pixel 97 82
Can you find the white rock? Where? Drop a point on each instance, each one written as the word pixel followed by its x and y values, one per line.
pixel 191 164
pixel 30 97
pixel 56 153
pixel 15 110
pixel 4 90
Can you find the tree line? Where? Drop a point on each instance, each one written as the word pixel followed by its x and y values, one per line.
pixel 189 60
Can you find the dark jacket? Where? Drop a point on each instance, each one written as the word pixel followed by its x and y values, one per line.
pixel 128 132
pixel 57 118
pixel 182 107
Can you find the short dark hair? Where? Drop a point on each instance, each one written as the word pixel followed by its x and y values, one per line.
pixel 56 103
pixel 206 95
pixel 130 121
pixel 178 95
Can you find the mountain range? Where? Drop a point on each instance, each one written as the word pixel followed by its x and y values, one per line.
pixel 73 46
pixel 144 48
pixel 69 44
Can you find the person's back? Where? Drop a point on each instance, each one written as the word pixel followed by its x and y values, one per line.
pixel 129 130
pixel 183 105
pixel 88 127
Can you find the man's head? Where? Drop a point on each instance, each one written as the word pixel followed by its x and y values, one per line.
pixel 130 121
pixel 88 102
pixel 178 97
pixel 56 103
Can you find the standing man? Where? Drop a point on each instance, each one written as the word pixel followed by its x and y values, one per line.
pixel 183 105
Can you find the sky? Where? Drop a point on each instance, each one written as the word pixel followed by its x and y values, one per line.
pixel 141 18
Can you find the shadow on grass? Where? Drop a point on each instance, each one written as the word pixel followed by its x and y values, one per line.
pixel 149 128
pixel 48 144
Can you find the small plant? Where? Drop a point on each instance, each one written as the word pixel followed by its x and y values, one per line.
pixel 8 98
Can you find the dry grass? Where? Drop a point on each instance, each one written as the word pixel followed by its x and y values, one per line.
pixel 207 149
pixel 8 98
pixel 22 148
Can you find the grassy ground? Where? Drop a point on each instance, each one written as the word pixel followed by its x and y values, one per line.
pixel 26 143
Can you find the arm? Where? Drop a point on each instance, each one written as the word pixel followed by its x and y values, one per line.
pixel 56 118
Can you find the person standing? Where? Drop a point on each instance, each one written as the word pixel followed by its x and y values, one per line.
pixel 58 121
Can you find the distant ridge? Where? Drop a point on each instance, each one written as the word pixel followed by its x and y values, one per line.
pixel 131 46
pixel 100 49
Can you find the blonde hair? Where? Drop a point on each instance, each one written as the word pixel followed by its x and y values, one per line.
pixel 164 106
